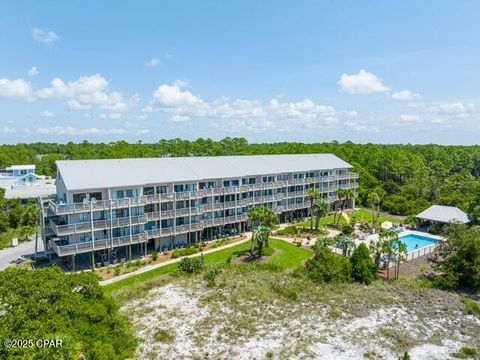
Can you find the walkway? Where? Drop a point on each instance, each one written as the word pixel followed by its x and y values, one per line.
pixel 14 255
pixel 173 261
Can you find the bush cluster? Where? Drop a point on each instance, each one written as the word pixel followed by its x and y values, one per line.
pixel 184 252
pixel 326 266
pixel 191 265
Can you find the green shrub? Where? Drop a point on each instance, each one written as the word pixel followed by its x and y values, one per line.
pixel 471 306
pixel 325 266
pixel 155 255
pixel 466 353
pixel 117 269
pixel 163 336
pixel 191 265
pixel 184 252
pixel 55 305
pixel 405 356
pixel 363 267
pixel 211 273
pixel 288 231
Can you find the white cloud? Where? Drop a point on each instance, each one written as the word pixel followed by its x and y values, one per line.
pixel 60 130
pixel 44 36
pixel 33 71
pixel 47 113
pixel 110 116
pixel 409 118
pixel 454 109
pixel 153 62
pixel 362 83
pixel 172 96
pixel 143 131
pixel 6 130
pixel 182 105
pixel 86 92
pixel 16 89
pixel 179 118
pixel 404 95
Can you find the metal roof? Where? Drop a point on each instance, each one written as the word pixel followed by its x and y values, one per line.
pixel 96 174
pixel 21 167
pixel 444 214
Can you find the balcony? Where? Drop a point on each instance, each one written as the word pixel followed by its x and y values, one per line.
pixel 82 227
pixel 109 243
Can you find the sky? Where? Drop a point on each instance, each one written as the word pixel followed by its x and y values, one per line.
pixel 310 71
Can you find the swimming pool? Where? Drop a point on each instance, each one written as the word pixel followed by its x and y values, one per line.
pixel 415 242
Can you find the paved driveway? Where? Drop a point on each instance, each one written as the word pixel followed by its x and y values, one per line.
pixel 10 256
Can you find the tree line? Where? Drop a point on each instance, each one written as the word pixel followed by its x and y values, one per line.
pixel 407 178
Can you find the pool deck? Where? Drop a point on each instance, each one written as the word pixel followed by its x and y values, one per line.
pixel 375 237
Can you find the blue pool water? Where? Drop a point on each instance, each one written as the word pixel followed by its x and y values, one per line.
pixel 415 242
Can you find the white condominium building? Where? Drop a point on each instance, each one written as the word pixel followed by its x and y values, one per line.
pixel 105 208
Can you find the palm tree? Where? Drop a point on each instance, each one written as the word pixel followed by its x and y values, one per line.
pixel 337 203
pixel 376 248
pixel 373 199
pixel 32 217
pixel 320 209
pixel 388 241
pixel 313 194
pixel 400 256
pixel 260 238
pixel 345 196
pixel 345 243
pixel 254 217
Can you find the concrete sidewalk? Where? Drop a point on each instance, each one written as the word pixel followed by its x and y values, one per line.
pixel 173 261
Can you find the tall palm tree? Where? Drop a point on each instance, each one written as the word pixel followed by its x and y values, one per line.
pixel 338 203
pixel 400 255
pixel 32 217
pixel 345 243
pixel 254 214
pixel 320 209
pixel 376 248
pixel 373 199
pixel 389 238
pixel 260 238
pixel 313 194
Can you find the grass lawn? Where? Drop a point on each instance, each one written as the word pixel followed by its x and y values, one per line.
pixel 360 214
pixel 366 215
pixel 289 256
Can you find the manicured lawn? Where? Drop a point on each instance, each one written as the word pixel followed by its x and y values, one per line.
pixel 366 215
pixel 360 214
pixel 290 256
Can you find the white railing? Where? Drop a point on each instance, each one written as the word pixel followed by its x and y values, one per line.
pixel 421 252
pixel 73 249
pixel 62 209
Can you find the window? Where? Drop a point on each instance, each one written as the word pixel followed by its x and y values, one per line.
pixel 96 195
pixel 252 181
pixel 148 190
pixel 162 189
pixel 78 198
pixel 178 188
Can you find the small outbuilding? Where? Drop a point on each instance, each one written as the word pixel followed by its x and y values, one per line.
pixel 443 215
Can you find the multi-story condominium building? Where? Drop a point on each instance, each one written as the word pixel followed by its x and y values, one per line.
pixel 106 208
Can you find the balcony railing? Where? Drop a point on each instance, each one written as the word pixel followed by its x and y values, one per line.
pixel 83 227
pixel 102 244
pixel 63 209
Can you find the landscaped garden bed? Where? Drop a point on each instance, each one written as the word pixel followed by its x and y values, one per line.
pixel 161 257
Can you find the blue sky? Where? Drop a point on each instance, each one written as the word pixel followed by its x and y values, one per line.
pixel 371 71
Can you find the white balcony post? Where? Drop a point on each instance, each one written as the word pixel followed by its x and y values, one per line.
pixel 92 228
pixel 130 220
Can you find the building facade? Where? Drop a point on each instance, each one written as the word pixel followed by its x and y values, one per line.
pixel 106 208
